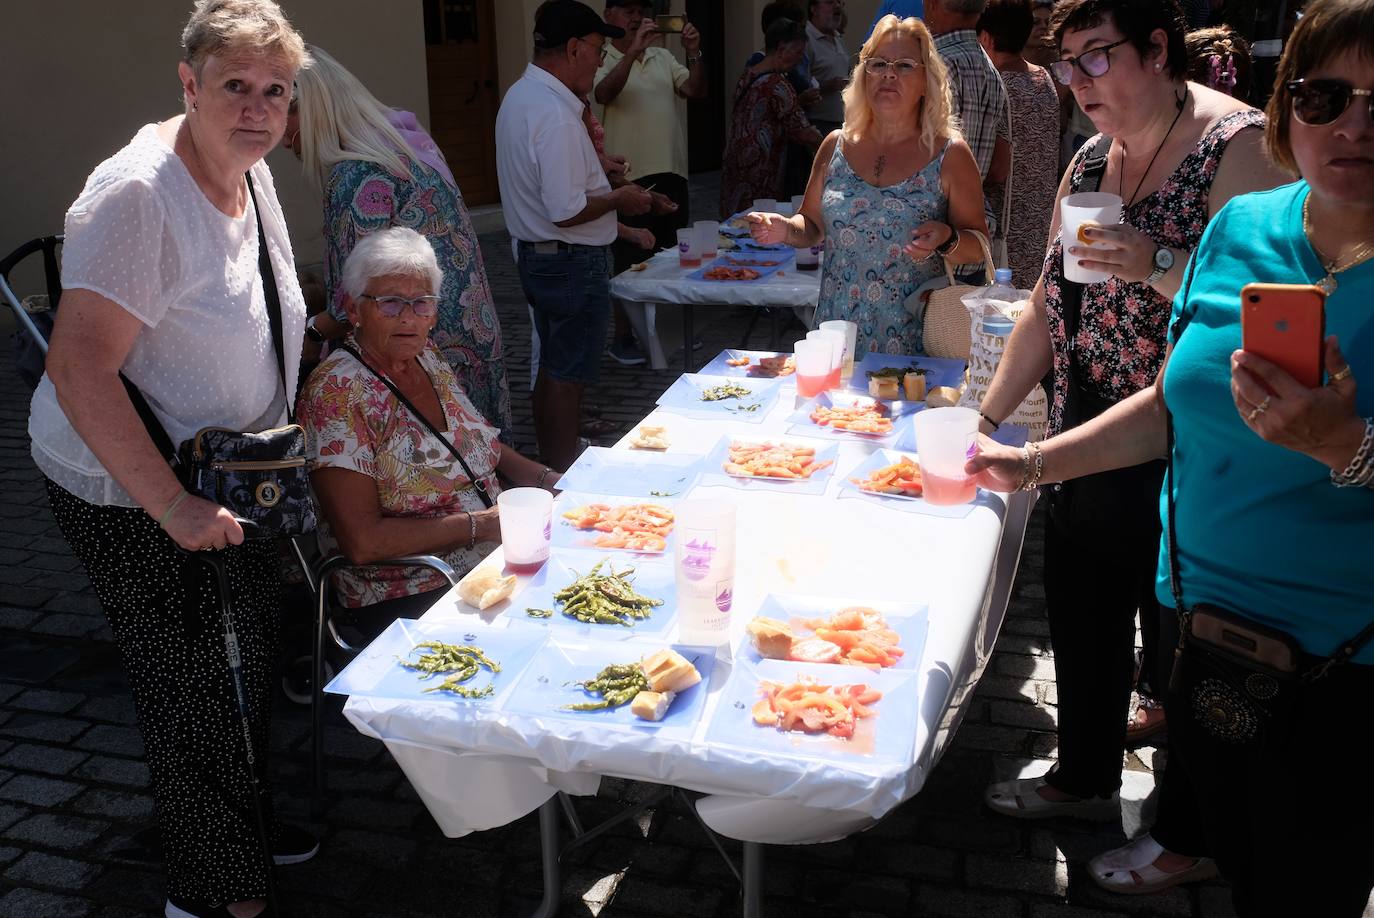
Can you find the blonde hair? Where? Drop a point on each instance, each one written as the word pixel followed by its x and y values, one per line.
pixel 936 112
pixel 243 26
pixel 340 120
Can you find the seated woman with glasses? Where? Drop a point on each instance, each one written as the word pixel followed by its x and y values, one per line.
pixel 1270 504
pixel 400 458
pixel 1176 152
pixel 889 192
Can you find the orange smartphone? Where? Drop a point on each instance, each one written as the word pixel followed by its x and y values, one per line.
pixel 1286 325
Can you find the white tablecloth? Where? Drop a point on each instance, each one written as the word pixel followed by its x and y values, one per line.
pixel 665 282
pixel 477 769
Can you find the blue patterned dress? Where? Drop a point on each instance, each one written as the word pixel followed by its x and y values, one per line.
pixel 866 277
pixel 361 198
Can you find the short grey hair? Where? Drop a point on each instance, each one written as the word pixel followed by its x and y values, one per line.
pixel 243 26
pixel 398 250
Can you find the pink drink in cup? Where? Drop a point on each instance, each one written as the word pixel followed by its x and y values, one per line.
pixel 836 341
pixel 944 440
pixel 526 528
pixel 813 366
pixel 688 252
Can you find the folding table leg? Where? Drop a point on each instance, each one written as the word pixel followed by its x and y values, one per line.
pixel 549 849
pixel 752 889
pixel 687 337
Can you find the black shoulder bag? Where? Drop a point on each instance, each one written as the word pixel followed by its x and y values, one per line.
pixel 259 477
pixel 1240 678
pixel 477 482
pixel 1071 303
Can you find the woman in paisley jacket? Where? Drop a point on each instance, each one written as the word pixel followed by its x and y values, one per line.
pixel 376 168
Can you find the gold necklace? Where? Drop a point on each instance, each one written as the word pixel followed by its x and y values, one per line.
pixel 1332 268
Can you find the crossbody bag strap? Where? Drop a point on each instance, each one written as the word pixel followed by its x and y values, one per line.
pixel 400 397
pixel 1071 299
pixel 273 298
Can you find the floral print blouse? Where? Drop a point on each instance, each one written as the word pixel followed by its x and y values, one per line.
pixel 1123 325
pixel 766 116
pixel 354 422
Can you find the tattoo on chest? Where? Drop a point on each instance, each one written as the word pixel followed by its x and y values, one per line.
pixel 878 167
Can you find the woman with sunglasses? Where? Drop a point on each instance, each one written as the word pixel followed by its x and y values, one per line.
pixel 1271 504
pixel 384 471
pixel 889 192
pixel 1175 152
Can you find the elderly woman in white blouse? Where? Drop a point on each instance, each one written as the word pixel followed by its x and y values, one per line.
pixel 162 285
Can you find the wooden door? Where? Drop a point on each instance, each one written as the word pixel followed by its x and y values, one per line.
pixel 460 54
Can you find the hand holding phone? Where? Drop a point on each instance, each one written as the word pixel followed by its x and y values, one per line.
pixel 1285 324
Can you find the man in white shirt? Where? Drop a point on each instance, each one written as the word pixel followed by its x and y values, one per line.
pixel 829 64
pixel 640 88
pixel 561 212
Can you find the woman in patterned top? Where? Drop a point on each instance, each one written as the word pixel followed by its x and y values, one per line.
pixel 377 168
pixel 766 116
pixel 889 192
pixel 390 487
pixel 1178 152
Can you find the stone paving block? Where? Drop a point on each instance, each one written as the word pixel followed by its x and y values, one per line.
pixel 971 835
pixel 49 561
pixel 1167 904
pixel 76 602
pixel 42 869
pixel 10 557
pixel 16 574
pixel 33 903
pixel 68 625
pixel 1056 910
pixel 113 804
pixel 906 859
pixel 1045 878
pixel 1010 688
pixel 8 854
pixel 47 700
pixel 1021 624
pixel 49 760
pixel 1215 902
pixel 117 709
pixel 17 619
pixel 43 727
pixel 990 738
pixel 52 830
pixel 8 690
pixel 1020 714
pixel 39 791
pixel 10 814
pixel 379 850
pixel 124 741
pixel 28 596
pixel 138 889
pixel 1027 667
pixel 655 898
pixel 384 815
pixel 106 770
pixel 950 902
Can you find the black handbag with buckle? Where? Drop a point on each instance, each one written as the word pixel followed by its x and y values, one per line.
pixel 260 477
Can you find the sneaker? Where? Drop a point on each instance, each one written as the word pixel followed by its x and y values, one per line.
pixel 626 353
pixel 294 845
pixel 184 908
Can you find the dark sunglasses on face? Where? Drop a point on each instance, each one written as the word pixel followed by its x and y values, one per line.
pixel 1094 62
pixel 1318 102
pixel 391 306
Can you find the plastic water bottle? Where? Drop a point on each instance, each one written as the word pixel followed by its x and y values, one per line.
pixel 1000 300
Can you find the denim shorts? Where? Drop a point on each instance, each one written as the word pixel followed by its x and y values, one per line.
pixel 570 292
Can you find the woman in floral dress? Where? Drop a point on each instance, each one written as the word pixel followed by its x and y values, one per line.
pixel 377 168
pixel 766 116
pixel 888 191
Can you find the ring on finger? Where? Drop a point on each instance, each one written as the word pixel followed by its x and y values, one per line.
pixel 1342 373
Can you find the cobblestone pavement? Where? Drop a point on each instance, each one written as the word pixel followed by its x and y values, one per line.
pixel 74 792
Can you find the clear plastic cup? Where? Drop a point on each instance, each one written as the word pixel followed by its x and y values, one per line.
pixel 944 442
pixel 808 258
pixel 765 205
pixel 707 236
pixel 813 366
pixel 850 331
pixel 704 566
pixel 526 527
pixel 1075 210
pixel 797 200
pixel 688 253
pixel 836 341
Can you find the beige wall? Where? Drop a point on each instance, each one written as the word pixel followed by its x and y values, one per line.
pixel 82 85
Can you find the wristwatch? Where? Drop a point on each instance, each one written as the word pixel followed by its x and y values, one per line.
pixel 694 58
pixel 949 245
pixel 312 332
pixel 1163 261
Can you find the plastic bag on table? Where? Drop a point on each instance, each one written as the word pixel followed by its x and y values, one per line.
pixel 993 312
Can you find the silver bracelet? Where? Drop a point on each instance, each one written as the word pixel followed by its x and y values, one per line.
pixel 472 530
pixel 1360 472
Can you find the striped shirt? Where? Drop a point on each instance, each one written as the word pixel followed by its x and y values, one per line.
pixel 980 101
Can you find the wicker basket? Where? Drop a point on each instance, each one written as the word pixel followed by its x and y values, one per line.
pixel 946 330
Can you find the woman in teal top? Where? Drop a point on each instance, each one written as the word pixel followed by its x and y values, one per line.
pixel 1273 487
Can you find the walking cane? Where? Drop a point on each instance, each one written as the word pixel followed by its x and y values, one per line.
pixel 231 648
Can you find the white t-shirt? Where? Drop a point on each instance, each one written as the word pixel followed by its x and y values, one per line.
pixel 546 163
pixel 143 235
pixel 642 122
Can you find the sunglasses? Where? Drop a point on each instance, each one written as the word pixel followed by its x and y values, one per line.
pixel 1318 102
pixel 1095 63
pixel 391 306
pixel 878 66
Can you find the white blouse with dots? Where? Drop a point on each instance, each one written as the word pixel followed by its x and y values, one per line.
pixel 143 235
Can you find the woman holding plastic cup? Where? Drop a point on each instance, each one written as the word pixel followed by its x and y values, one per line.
pixel 1175 153
pixel 399 456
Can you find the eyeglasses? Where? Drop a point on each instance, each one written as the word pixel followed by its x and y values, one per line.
pixel 878 66
pixel 1323 101
pixel 600 49
pixel 1095 63
pixel 391 306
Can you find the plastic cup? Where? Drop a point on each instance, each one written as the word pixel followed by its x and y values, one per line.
pixel 526 527
pixel 836 341
pixel 813 366
pixel 704 566
pixel 1075 210
pixel 688 253
pixel 797 200
pixel 707 235
pixel 808 258
pixel 944 439
pixel 765 205
pixel 851 338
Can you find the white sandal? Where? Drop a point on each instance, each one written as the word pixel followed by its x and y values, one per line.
pixel 1130 869
pixel 1021 799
